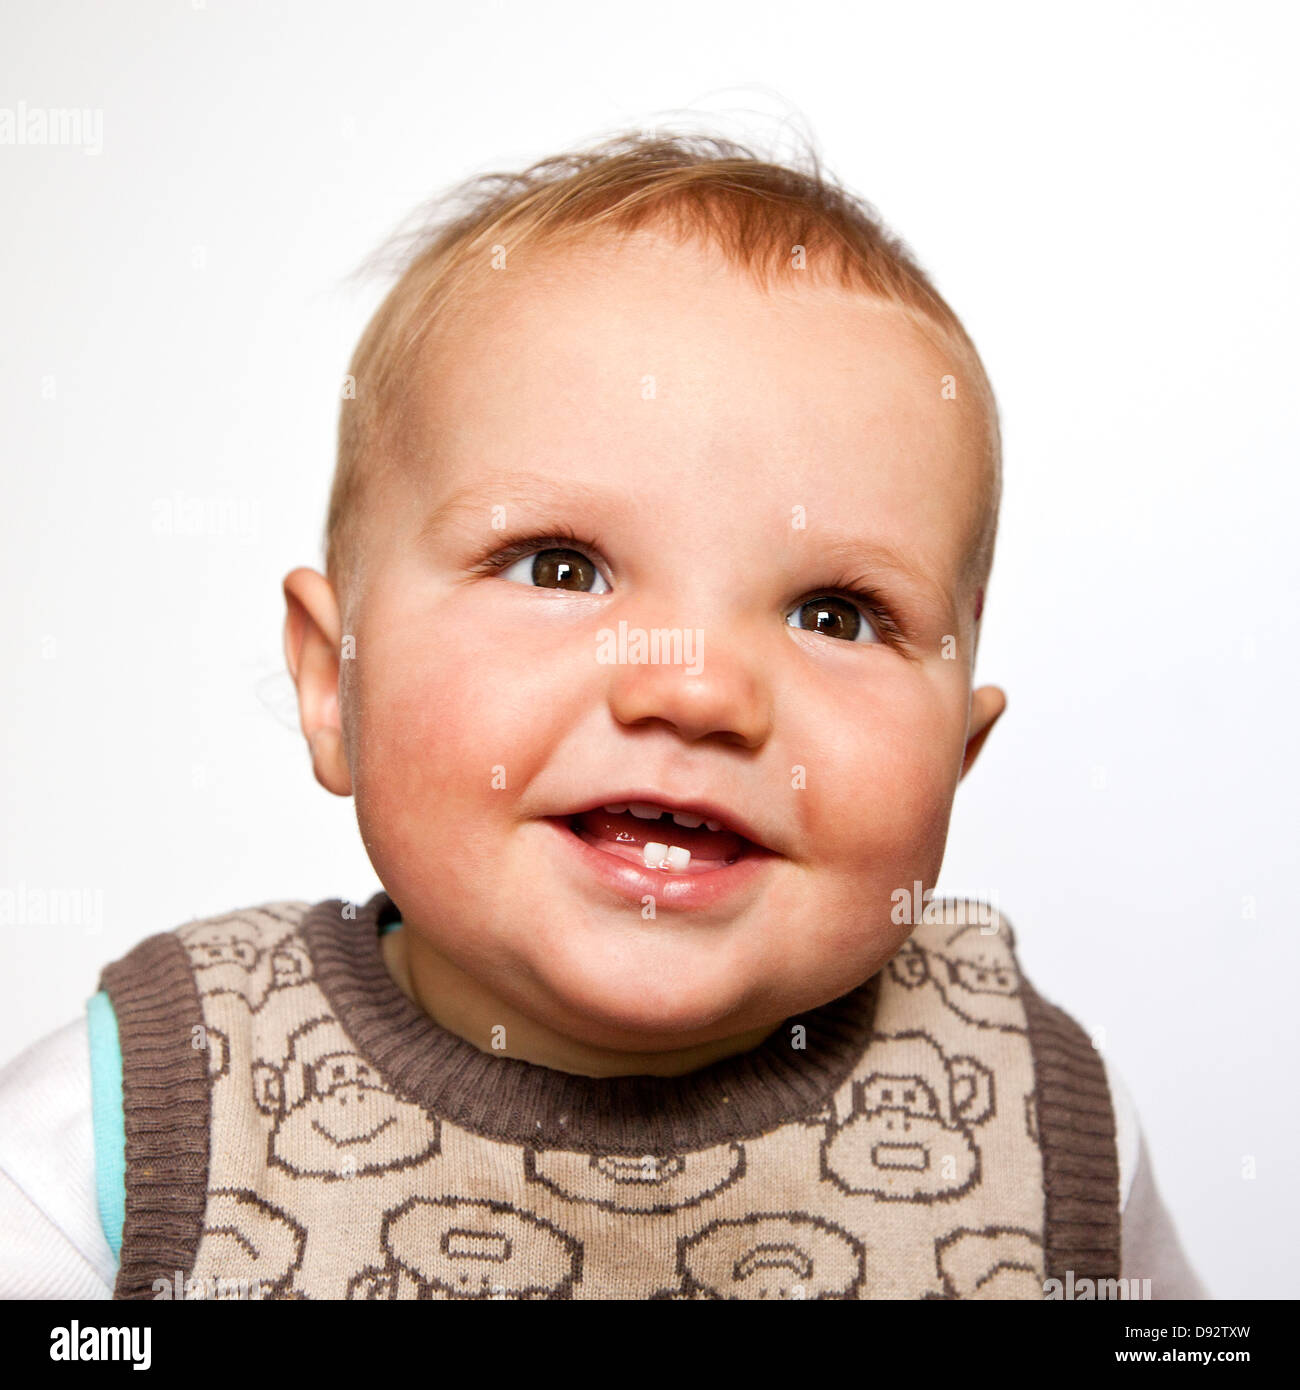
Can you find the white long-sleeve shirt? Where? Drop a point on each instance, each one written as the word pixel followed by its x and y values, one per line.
pixel 52 1241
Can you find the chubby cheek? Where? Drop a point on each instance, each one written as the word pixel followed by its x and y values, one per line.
pixel 887 768
pixel 440 721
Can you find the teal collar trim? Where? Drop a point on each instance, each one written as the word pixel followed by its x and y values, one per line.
pixel 106 1110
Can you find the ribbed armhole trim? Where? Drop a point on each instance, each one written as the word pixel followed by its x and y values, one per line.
pixel 166 1107
pixel 106 1118
pixel 1076 1132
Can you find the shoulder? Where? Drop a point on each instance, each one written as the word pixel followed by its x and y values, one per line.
pixel 1128 1133
pixel 54 1244
pixel 969 949
pixel 1152 1248
pixel 247 950
pixel 237 937
pixel 975 946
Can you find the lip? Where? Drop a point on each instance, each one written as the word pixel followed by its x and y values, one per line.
pixel 710 810
pixel 634 883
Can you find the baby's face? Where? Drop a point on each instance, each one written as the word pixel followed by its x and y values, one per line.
pixel 730 462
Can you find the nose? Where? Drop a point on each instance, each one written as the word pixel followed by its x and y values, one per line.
pixel 707 684
pixel 349 1092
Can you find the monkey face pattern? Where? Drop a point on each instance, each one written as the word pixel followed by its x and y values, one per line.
pixel 222 944
pixel 995 1263
pixel 231 955
pixel 974 973
pixel 979 980
pixel 771 1256
pixel 622 1182
pixel 247 1239
pixel 473 1248
pixel 907 1138
pixel 334 1117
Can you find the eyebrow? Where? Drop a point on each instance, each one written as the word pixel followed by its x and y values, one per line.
pixel 874 556
pixel 523 490
pixel 530 491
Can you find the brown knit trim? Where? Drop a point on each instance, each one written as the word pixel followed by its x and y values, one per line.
pixel 523 1103
pixel 166 1103
pixel 1076 1132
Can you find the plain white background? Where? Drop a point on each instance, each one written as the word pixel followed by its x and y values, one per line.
pixel 1107 195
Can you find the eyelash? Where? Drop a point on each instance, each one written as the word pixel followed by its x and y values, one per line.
pixel 567 539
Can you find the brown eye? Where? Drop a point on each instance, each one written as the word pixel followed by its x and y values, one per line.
pixel 834 617
pixel 557 569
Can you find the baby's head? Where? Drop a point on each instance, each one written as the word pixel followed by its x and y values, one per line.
pixel 667 478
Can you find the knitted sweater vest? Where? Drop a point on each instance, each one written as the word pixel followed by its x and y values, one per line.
pixel 295 1127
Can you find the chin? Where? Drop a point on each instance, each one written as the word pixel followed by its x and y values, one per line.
pixel 634 1011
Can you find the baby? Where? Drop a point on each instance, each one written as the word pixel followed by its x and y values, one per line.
pixel 664 512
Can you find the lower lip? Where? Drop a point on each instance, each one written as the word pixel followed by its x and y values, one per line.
pixel 634 883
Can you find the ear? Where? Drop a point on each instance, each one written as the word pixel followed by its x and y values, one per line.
pixel 268 1088
pixel 986 707
pixel 909 967
pixel 311 647
pixel 971 1085
pixel 218 1053
pixel 290 965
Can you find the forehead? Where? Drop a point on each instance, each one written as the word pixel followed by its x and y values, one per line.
pixel 656 370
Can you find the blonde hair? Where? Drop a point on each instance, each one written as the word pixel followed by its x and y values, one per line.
pixel 698 186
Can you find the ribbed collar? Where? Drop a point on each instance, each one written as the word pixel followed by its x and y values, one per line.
pixel 524 1103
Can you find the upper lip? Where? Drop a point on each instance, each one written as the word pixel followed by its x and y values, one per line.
pixel 696 806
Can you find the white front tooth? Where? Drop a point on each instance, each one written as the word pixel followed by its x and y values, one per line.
pixel 614 810
pixel 644 811
pixel 689 821
pixel 678 858
pixel 655 854
pixel 713 825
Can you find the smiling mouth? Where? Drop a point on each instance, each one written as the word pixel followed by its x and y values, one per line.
pixel 660 842
pixel 359 1139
